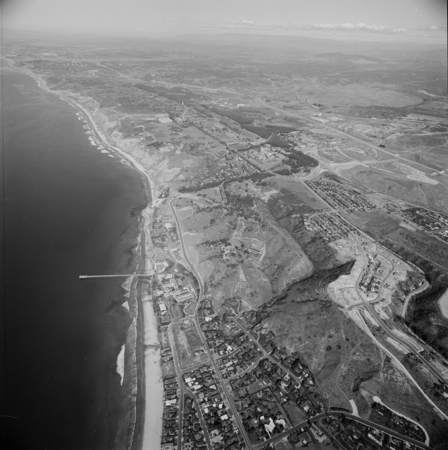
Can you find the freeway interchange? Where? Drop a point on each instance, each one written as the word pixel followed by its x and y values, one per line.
pixel 412 347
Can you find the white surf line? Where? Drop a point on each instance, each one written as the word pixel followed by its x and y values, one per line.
pixel 125 155
pixel 131 162
pixel 41 83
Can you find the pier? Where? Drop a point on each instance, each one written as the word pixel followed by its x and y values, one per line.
pixel 119 275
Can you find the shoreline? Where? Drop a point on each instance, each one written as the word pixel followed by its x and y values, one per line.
pixel 146 432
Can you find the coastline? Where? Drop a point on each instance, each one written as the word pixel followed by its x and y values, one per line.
pixel 144 373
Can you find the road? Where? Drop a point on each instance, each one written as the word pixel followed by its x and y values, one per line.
pixel 309 120
pixel 201 418
pixel 380 427
pixel 318 418
pixel 422 288
pixel 376 148
pixel 267 355
pixel 181 385
pixel 303 117
pixel 381 323
pixel 412 349
pixel 216 369
pixel 117 275
pixel 386 329
pixel 184 391
pixel 204 342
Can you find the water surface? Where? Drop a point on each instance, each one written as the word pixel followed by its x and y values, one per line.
pixel 69 210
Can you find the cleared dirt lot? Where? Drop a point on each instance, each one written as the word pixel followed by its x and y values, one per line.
pixel 188 342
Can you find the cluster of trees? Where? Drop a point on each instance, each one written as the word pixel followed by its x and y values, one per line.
pixel 195 188
pixel 261 131
pixel 280 128
pixel 412 280
pixel 234 115
pixel 283 171
pixel 240 202
pixel 433 274
pixel 298 160
pixel 254 177
pixel 277 141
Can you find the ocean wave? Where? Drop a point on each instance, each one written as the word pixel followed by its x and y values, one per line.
pixel 120 363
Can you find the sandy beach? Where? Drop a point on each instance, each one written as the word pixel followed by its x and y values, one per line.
pixel 150 435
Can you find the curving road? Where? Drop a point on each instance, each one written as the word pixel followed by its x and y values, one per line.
pixel 335 130
pixel 204 342
pixel 422 288
pixel 412 349
pixel 222 381
pixel 373 312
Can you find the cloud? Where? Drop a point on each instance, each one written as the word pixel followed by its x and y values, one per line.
pixel 250 25
pixel 349 26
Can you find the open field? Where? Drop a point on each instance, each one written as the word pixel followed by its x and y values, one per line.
pixel 429 149
pixel 301 193
pixel 405 171
pixel 336 351
pixel 189 345
pixel 424 194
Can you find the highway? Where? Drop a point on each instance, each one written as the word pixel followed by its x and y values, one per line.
pixel 303 117
pixel 184 391
pixel 222 381
pixel 381 323
pixel 318 419
pixel 388 330
pixel 335 130
pixel 380 427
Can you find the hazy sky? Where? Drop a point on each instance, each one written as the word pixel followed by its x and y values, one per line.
pixel 128 16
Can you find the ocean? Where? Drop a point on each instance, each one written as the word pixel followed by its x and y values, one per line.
pixel 69 210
